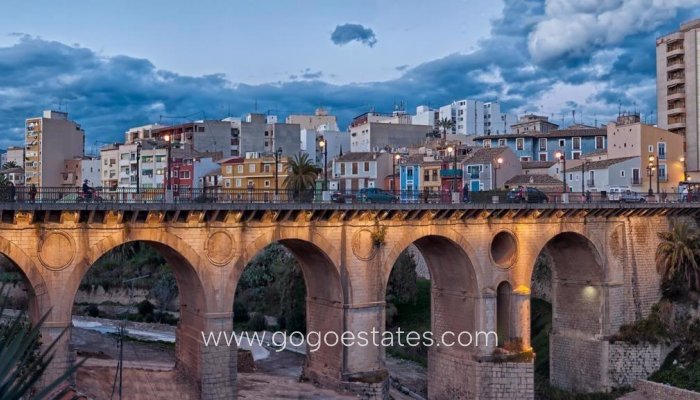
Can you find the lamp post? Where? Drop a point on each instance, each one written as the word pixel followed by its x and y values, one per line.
pixel 497 166
pixel 138 167
pixel 324 148
pixel 654 162
pixel 278 154
pixel 167 160
pixel 450 151
pixel 560 156
pixel 650 172
pixel 394 160
pixel 685 169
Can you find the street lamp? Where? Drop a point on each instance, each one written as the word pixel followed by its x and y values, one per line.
pixel 324 148
pixel 278 154
pixel 650 172
pixel 685 169
pixel 167 159
pixel 499 163
pixel 451 150
pixel 560 156
pixel 394 160
pixel 654 162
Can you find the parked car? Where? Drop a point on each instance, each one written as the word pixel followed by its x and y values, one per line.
pixel 629 196
pixel 614 192
pixel 342 197
pixel 375 195
pixel 522 194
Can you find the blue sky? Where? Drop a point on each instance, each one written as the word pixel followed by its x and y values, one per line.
pixel 117 64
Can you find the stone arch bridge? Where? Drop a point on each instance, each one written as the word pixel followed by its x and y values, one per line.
pixel 480 259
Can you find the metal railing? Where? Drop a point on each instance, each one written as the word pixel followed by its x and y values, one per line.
pixel 73 195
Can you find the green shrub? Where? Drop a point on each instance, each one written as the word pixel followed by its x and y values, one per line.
pixel 257 322
pixel 240 312
pixel 145 308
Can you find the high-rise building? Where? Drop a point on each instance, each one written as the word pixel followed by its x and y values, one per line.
pixel 677 84
pixel 49 141
pixel 476 118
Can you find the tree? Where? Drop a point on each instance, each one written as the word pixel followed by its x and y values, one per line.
pixel 22 361
pixel 10 164
pixel 165 289
pixel 676 257
pixel 402 286
pixel 302 175
pixel 445 124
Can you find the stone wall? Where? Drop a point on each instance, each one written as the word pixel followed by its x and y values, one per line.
pixel 660 391
pixel 628 363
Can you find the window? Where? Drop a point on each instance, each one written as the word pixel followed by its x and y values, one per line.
pixel 342 168
pixel 266 168
pixel 366 166
pixel 651 148
pixel 562 142
pixel 185 174
pixel 520 144
pixel 240 169
pixel 251 167
pixel 251 184
pixel 571 177
pixel 160 159
pixel 227 183
pixel 409 173
pixel 524 158
pixel 599 142
pixel 661 148
pixel 501 143
pixel 267 183
pixel 576 155
pixel 159 171
pixel 238 182
pixel 622 173
pixel 577 143
pixel 543 156
pixel 662 171
pixel 487 143
pixel 354 168
pixel 426 176
pixel 543 144
pixel 175 173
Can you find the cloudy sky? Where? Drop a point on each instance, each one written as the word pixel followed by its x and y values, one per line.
pixel 117 64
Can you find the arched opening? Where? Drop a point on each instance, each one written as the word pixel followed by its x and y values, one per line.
pixel 154 293
pixel 503 312
pixel 289 286
pixel 567 313
pixel 445 302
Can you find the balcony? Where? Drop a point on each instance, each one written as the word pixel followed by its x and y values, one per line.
pixel 676 125
pixel 636 180
pixel 676 80
pixel 590 182
pixel 675 95
pixel 675 51
pixel 675 66
pixel 678 109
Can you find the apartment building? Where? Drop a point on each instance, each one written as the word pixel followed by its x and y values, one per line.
pixel 372 132
pixel 315 121
pixel 49 141
pixel 254 173
pixel 474 117
pixel 355 171
pixel 14 154
pixel 79 169
pixel 677 86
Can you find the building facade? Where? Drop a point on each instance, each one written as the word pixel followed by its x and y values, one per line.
pixel 677 86
pixel 14 154
pixel 315 121
pixel 376 136
pixel 354 171
pixel 476 118
pixel 573 143
pixel 255 173
pixel 49 141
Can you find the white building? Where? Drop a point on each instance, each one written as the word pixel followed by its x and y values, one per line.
pixel 477 118
pixel 336 141
pixel 355 171
pixel 15 155
pixel 426 116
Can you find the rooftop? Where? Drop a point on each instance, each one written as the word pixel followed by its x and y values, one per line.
pixel 484 155
pixel 536 164
pixel 569 132
pixel 602 164
pixel 533 179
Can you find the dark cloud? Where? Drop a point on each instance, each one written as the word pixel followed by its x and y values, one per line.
pixel 346 33
pixel 402 68
pixel 107 95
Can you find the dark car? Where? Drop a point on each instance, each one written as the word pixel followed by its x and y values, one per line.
pixel 342 197
pixel 374 195
pixel 526 195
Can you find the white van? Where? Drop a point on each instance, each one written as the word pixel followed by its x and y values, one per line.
pixel 615 192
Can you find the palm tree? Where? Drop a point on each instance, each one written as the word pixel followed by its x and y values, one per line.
pixel 676 256
pixel 301 176
pixel 445 124
pixel 10 164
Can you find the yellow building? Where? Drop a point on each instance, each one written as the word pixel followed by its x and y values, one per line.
pixel 241 176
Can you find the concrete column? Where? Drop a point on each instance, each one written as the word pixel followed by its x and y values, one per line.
pixel 63 354
pixel 520 328
pixel 217 364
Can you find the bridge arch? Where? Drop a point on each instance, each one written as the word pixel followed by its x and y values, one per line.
pixel 580 309
pixel 193 293
pixel 325 295
pixel 39 299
